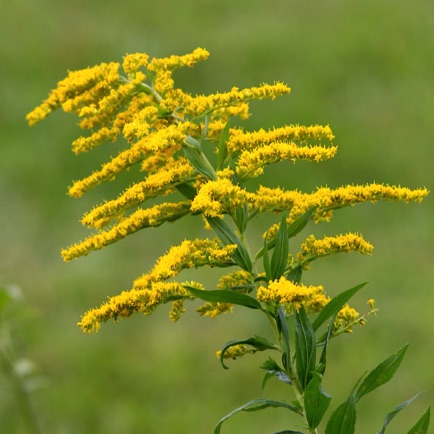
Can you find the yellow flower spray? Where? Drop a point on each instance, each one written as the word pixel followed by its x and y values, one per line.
pixel 167 131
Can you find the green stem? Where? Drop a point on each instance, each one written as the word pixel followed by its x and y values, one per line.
pixel 21 394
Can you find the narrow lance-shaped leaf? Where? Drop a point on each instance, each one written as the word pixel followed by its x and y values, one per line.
pixel 279 259
pixel 288 431
pixel 204 133
pixel 274 370
pixel 292 230
pixel 194 153
pixel 241 256
pixel 305 347
pixel 422 424
pixel 394 412
pixel 241 217
pixel 187 190
pixel 335 305
pixel 381 374
pixel 255 405
pixel 257 342
pixel 343 419
pixel 295 275
pixel 266 261
pixel 283 330
pixel 224 296
pixel 223 149
pixel 323 357
pixel 316 401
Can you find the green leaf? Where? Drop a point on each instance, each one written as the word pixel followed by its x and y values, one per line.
pixel 305 344
pixel 279 259
pixel 194 153
pixel 323 358
pixel 204 133
pixel 288 431
pixel 292 230
pixel 255 405
pixel 241 217
pixel 381 374
pixel 223 149
pixel 422 424
pixel 335 305
pixel 299 223
pixel 241 255
pixel 225 296
pixel 266 261
pixel 316 401
pixel 394 412
pixel 295 274
pixel 274 370
pixel 283 330
pixel 187 190
pixel 270 365
pixel 343 419
pixel 258 342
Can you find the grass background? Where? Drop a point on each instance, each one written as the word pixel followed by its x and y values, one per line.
pixel 366 68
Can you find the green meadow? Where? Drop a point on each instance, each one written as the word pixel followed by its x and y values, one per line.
pixel 364 67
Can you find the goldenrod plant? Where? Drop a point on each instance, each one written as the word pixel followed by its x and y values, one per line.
pixel 168 135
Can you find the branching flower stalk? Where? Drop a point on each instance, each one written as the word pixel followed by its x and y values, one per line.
pixel 169 133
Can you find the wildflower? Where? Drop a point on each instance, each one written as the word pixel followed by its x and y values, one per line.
pixel 169 140
pixel 216 197
pixel 242 141
pixel 250 163
pixel 214 309
pixel 236 280
pixel 166 131
pixel 136 300
pixel 313 248
pixel 160 183
pixel 79 89
pixel 173 62
pixel 132 62
pixel 285 292
pixel 141 218
pixel 237 351
pixel 189 254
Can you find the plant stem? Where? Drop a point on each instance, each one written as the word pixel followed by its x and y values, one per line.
pixel 21 394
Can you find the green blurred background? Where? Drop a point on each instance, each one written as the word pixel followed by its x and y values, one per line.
pixel 366 68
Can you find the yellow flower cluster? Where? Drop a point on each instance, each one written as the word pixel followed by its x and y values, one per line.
pixel 136 300
pixel 217 197
pixel 237 351
pixel 189 254
pixel 159 183
pixel 214 309
pixel 251 162
pixel 312 298
pixel 283 291
pixel 312 248
pixel 140 219
pixel 167 135
pixel 325 199
pixel 235 280
pixel 242 141
pixel 152 289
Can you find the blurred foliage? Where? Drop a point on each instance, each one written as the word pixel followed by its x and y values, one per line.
pixel 364 67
